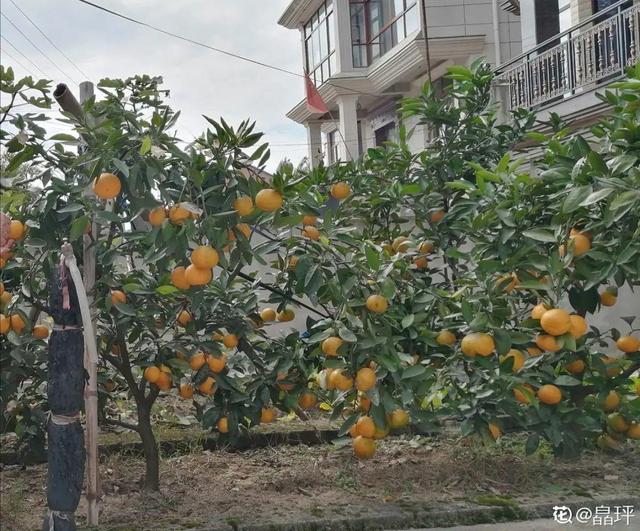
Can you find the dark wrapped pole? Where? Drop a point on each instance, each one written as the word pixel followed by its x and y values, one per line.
pixel 65 391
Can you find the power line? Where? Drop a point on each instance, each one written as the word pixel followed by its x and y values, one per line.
pixel 85 76
pixel 213 48
pixel 37 48
pixel 23 55
pixel 19 64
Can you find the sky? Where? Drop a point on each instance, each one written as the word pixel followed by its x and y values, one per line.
pixel 202 82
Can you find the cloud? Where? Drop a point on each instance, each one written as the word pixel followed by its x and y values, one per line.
pixel 201 81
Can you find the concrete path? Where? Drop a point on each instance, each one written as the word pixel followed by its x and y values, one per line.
pixel 537 525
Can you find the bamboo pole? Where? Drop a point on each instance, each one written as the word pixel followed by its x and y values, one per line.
pixel 91 389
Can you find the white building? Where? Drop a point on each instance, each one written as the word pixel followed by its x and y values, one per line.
pixel 364 55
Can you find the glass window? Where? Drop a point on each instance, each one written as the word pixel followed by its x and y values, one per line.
pixel 380 25
pixel 320 43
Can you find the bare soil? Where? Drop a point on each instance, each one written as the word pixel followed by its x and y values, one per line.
pixel 291 483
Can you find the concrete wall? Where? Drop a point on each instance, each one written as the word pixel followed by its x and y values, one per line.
pixel 454 18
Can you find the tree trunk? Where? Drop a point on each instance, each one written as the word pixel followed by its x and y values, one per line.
pixel 150 447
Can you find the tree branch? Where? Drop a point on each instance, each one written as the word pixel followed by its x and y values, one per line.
pixel 121 423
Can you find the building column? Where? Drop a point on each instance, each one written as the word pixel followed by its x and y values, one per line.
pixel 348 137
pixel 342 21
pixel 314 139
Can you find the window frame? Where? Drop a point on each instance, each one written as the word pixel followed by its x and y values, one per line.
pixel 318 26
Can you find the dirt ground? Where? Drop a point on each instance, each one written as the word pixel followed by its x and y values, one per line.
pixel 289 483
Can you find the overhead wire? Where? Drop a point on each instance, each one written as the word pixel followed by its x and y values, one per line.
pixel 213 48
pixel 83 74
pixel 38 48
pixel 19 63
pixel 23 55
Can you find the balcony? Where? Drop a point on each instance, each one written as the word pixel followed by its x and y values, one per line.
pixel 593 53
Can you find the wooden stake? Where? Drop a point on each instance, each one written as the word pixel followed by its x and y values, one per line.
pixel 91 389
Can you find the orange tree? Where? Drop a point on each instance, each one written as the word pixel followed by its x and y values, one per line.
pixel 176 310
pixel 430 266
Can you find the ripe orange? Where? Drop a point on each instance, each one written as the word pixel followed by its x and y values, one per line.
pixel 40 332
pixel 535 351
pixel 186 390
pixel 230 340
pixel 421 262
pixel 107 186
pixel 268 200
pixel 377 304
pixel 157 216
pixel 437 216
pixel 118 296
pixel 477 343
pixel 340 191
pixel 268 414
pixel 5 324
pixel 578 326
pixel 365 379
pixel 292 262
pixel 365 427
pixel 549 394
pixel 607 298
pixel 363 403
pixel 518 359
pixel 398 418
pixel 307 400
pixel 401 244
pixel 217 363
pixel 445 337
pixel 164 381
pixel 205 257
pixel 521 395
pixel 268 315
pixel 628 344
pixel 611 401
pixel 331 345
pixel 381 433
pixel 286 315
pixel 617 422
pixel 208 386
pixel 309 220
pixel 243 205
pixel 311 232
pixel 197 360
pixel 508 287
pixel 17 323
pixel 16 230
pixel 151 374
pixel 179 278
pixel 426 247
pixel 580 244
pixel 495 430
pixel 184 318
pixel 555 322
pixel 1 288
pixel 634 430
pixel 576 367
pixel 196 276
pixel 5 298
pixel 539 310
pixel 178 214
pixel 223 425
pixel 340 380
pixel 547 343
pixel 364 448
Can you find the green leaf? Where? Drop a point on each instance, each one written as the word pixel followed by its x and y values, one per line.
pixel 407 320
pixel 125 309
pixel 503 341
pixel 373 258
pixel 533 441
pixel 78 227
pixel 413 371
pixel 146 145
pixel 122 167
pixel 575 198
pixel 565 379
pixel 541 235
pixel 73 207
pixel 166 290
pixel 597 196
